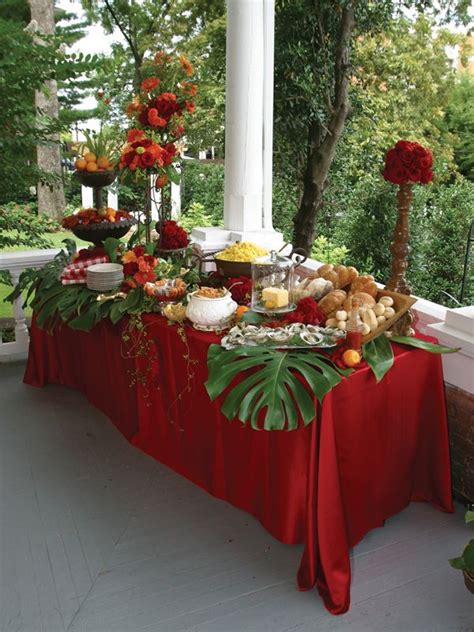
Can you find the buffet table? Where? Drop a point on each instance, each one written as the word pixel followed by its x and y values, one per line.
pixel 372 449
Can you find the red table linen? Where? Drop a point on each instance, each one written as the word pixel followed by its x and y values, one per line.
pixel 373 449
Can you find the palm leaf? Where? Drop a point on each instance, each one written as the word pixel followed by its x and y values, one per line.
pixel 281 388
pixel 378 354
pixel 422 344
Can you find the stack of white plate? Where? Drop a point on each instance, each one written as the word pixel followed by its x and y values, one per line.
pixel 104 276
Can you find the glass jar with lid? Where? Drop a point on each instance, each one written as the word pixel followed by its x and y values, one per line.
pixel 272 283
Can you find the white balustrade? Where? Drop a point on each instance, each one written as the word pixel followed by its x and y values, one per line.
pixel 15 263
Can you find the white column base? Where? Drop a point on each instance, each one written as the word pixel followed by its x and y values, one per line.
pixel 211 238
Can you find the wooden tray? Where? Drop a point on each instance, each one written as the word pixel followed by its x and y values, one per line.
pixel 401 304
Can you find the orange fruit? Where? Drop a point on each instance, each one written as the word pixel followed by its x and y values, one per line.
pixel 351 358
pixel 103 162
pixel 91 166
pixel 90 157
pixel 80 164
pixel 240 311
pixel 161 181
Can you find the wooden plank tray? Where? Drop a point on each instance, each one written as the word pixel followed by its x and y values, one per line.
pixel 401 304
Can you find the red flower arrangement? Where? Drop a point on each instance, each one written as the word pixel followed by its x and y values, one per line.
pixel 159 115
pixel 93 216
pixel 240 288
pixel 89 253
pixel 138 268
pixel 408 162
pixel 307 312
pixel 173 236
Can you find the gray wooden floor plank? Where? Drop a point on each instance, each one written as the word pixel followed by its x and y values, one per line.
pixel 95 536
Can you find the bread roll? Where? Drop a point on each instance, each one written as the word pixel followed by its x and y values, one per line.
pixel 365 283
pixel 332 301
pixel 364 298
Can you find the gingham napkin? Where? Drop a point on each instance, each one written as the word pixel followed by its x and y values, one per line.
pixel 77 272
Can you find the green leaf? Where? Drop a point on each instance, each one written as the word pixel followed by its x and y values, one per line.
pixel 281 388
pixel 150 248
pixel 172 174
pixel 468 556
pixel 111 245
pixel 253 318
pixel 469 517
pixel 115 313
pixel 422 344
pixel 86 320
pixel 458 563
pixel 378 354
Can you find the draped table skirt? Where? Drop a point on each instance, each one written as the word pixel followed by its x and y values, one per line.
pixel 372 449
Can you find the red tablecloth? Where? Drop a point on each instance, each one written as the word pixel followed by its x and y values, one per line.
pixel 373 449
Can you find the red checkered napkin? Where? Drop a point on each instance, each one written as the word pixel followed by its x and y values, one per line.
pixel 77 272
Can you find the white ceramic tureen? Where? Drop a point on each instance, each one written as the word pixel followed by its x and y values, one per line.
pixel 210 314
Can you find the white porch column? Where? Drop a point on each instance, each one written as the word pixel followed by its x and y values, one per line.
pixel 249 128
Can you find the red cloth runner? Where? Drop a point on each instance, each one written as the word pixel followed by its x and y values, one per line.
pixel 373 449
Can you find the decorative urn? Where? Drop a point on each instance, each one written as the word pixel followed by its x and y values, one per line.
pixel 210 314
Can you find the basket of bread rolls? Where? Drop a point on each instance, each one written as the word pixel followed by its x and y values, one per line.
pixel 334 287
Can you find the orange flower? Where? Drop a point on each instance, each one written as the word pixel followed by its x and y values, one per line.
pixel 129 257
pixel 143 277
pixel 134 135
pixel 150 84
pixel 189 88
pixel 186 65
pixel 159 57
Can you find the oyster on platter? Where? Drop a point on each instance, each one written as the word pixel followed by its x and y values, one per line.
pixel 294 336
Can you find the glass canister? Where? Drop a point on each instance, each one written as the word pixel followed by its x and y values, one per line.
pixel 272 284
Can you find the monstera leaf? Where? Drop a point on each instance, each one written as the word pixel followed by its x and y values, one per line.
pixel 274 386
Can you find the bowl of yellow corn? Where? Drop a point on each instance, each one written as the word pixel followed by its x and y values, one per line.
pixel 236 260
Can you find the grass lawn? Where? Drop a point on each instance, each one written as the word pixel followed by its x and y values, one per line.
pixel 6 310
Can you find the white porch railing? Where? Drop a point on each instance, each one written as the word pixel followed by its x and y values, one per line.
pixel 15 263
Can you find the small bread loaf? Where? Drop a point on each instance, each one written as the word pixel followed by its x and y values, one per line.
pixel 353 274
pixel 364 298
pixel 365 283
pixel 341 276
pixel 332 301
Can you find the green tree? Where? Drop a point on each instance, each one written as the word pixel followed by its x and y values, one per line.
pixel 401 87
pixel 314 55
pixel 460 121
pixel 26 66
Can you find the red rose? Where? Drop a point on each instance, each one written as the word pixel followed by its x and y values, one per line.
pixel 147 159
pixel 150 259
pixel 129 269
pixel 426 176
pixel 139 251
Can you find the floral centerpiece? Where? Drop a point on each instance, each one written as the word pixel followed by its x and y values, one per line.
pixel 158 115
pixel 405 164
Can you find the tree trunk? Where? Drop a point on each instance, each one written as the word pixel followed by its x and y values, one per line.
pixel 51 199
pixel 322 141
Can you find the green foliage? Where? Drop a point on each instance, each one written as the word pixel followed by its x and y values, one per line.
pixel 195 216
pixel 440 228
pixel 328 252
pixel 20 225
pixel 378 353
pixel 392 69
pixel 204 183
pixel 25 67
pixel 466 561
pixel 460 121
pixel 273 389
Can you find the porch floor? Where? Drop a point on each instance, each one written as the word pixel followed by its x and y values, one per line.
pixel 95 536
